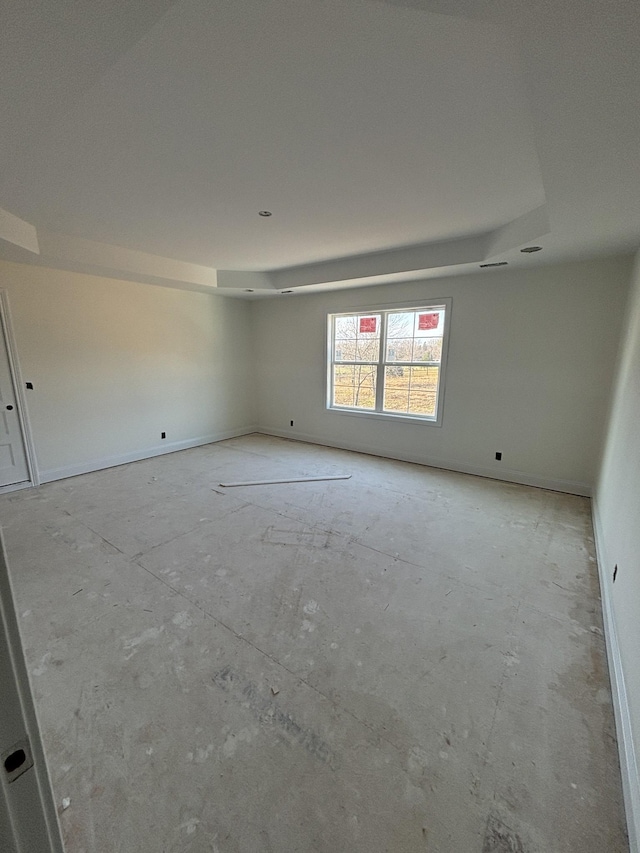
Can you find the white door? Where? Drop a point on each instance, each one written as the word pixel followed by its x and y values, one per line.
pixel 28 819
pixel 13 457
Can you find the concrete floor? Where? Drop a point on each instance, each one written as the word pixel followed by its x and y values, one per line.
pixel 409 660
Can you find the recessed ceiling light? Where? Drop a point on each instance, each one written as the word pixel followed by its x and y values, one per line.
pixel 497 264
pixel 531 249
pixel 286 291
pixel 264 213
pixel 248 291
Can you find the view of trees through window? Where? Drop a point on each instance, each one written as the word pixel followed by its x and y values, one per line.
pixel 400 350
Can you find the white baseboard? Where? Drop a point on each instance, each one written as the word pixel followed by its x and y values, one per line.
pixel 51 474
pixel 626 746
pixel 505 474
pixel 15 487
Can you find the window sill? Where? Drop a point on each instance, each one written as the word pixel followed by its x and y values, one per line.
pixel 386 416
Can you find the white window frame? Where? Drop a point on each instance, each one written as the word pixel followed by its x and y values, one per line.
pixel 443 304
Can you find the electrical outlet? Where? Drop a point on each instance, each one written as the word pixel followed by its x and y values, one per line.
pixel 163 435
pixel 499 456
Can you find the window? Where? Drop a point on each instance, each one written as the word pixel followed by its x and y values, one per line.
pixel 389 362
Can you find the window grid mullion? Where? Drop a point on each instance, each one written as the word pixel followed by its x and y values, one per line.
pixel 411 363
pixel 381 363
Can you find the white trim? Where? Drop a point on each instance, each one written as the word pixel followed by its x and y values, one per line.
pixel 15 487
pixel 506 475
pixel 51 474
pixel 626 747
pixel 18 387
pixel 408 304
pixel 392 416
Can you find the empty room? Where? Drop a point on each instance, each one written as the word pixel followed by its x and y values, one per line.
pixel 319 457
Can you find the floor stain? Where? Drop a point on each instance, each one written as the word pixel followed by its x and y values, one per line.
pixel 499 838
pixel 265 710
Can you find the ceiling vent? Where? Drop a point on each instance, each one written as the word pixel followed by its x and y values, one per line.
pixel 497 264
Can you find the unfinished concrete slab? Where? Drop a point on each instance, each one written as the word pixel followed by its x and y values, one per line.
pixel 407 660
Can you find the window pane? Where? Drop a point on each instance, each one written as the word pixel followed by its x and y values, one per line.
pixel 352 344
pixel 427 349
pixel 354 386
pixel 399 349
pixel 344 349
pixel 411 390
pixel 415 336
pixel 346 327
pixel 368 348
pixel 400 324
pixel 429 322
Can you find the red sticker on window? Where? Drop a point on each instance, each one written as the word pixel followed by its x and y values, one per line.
pixel 368 324
pixel 428 321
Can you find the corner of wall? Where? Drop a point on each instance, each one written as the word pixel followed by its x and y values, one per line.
pixel 615 509
pixel 622 711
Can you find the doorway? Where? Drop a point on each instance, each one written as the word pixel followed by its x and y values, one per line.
pixel 15 468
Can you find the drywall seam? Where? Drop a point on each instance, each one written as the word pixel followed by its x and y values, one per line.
pixel 626 748
pixel 159 450
pixel 506 475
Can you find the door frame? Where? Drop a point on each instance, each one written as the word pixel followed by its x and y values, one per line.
pixel 21 403
pixel 28 814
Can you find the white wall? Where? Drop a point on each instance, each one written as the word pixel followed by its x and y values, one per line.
pixel 115 363
pixel 531 363
pixel 617 522
pixel 531 358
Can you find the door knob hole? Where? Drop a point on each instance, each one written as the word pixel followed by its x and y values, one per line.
pixel 15 760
